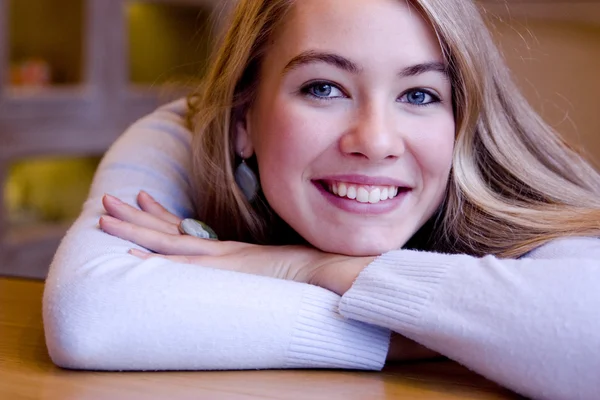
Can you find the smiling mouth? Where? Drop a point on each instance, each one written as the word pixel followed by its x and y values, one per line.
pixel 372 194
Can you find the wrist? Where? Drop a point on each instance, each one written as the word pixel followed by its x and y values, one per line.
pixel 339 272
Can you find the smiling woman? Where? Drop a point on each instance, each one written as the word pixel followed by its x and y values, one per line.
pixel 346 106
pixel 375 157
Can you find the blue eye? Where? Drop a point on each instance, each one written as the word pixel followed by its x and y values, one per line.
pixel 322 91
pixel 419 97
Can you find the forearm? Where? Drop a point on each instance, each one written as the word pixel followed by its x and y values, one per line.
pixel 118 313
pixel 509 320
pixel 339 276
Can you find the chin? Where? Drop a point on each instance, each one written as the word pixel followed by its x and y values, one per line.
pixel 359 247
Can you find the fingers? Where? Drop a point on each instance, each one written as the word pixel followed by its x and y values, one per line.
pixel 125 212
pixel 145 255
pixel 148 204
pixel 223 263
pixel 159 241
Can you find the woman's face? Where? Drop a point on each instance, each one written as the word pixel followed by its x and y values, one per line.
pixel 353 126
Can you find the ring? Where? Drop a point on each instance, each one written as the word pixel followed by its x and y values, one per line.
pixel 199 229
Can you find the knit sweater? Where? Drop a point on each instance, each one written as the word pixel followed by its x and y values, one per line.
pixel 530 324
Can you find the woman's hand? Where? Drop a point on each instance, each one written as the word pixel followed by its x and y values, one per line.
pixel 156 229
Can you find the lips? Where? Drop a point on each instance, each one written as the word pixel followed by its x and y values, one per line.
pixel 363 189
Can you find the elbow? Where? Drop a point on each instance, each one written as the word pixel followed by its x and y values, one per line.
pixel 65 354
pixel 70 340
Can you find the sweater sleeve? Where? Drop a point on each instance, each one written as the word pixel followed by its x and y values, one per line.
pixel 530 324
pixel 107 310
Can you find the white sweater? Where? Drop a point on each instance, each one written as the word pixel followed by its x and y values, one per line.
pixel 532 325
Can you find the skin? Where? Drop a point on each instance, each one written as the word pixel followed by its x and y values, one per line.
pixel 363 122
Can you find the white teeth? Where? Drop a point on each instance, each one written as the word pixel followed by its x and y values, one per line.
pixel 384 194
pixel 375 196
pixel 351 192
pixel 363 195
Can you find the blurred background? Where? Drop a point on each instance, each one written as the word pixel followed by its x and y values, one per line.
pixel 75 73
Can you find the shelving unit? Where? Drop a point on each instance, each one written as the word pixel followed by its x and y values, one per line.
pixel 92 54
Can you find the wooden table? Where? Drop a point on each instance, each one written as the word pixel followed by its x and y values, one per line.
pixel 26 372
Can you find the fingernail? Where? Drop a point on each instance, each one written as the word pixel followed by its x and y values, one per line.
pixel 144 193
pixel 113 199
pixel 138 253
pixel 109 220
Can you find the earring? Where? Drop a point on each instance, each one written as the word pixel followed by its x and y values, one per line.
pixel 246 180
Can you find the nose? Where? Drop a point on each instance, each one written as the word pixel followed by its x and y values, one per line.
pixel 374 135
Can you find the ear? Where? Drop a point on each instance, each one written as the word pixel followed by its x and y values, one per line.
pixel 243 136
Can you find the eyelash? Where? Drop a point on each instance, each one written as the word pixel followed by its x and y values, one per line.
pixel 305 90
pixel 435 99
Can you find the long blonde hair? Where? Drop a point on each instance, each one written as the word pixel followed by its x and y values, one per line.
pixel 515 184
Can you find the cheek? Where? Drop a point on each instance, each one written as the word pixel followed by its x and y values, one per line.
pixel 287 139
pixel 275 132
pixel 433 153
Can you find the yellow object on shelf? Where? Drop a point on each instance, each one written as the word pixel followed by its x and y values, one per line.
pixel 47 189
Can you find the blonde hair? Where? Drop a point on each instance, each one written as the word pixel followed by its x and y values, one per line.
pixel 515 184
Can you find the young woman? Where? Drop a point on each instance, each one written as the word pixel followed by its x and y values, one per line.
pixel 405 186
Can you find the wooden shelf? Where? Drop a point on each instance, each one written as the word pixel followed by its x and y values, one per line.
pixel 27 234
pixel 48 93
pixel 28 102
pixel 28 251
pixel 82 136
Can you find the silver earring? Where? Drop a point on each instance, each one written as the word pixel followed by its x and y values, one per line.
pixel 246 180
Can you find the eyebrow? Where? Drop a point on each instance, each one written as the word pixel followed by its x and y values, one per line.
pixel 311 56
pixel 418 69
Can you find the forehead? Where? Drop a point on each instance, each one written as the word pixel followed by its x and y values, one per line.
pixel 365 30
